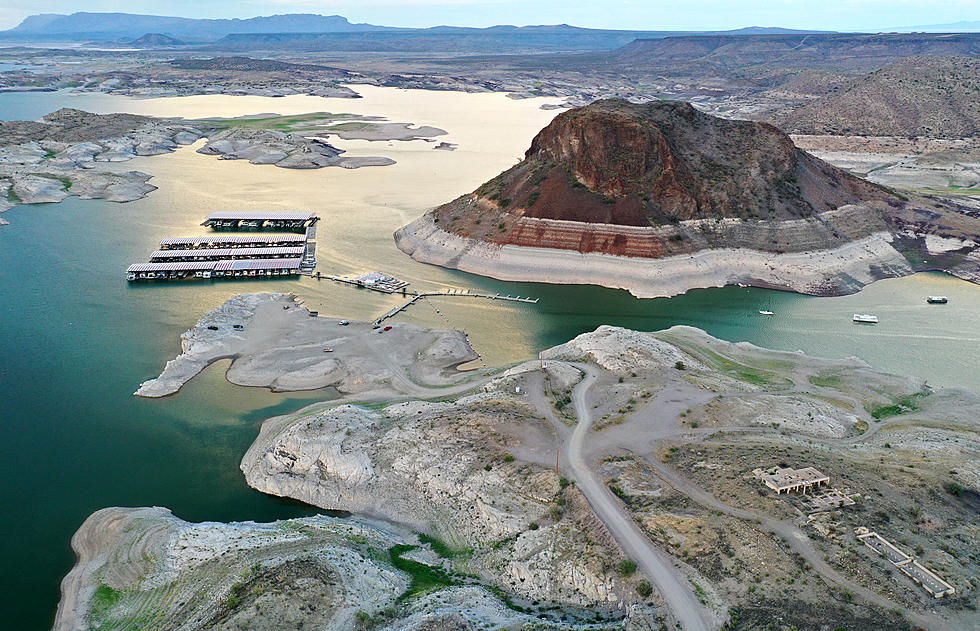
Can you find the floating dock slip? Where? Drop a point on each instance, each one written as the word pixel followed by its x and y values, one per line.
pixel 217 254
pixel 234 241
pixel 213 269
pixel 260 220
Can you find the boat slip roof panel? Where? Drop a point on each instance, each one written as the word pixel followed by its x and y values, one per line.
pixel 237 214
pixel 229 252
pixel 246 264
pixel 244 238
pixel 250 264
pixel 172 267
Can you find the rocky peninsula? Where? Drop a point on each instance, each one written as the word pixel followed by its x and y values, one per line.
pixel 274 343
pixel 661 198
pixel 657 434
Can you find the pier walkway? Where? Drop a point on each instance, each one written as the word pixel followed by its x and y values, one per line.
pixel 418 295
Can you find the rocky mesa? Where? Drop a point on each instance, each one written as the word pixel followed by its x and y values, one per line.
pixel 660 198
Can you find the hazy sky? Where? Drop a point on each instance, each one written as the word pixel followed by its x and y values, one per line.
pixel 627 14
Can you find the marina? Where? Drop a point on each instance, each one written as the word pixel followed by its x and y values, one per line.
pixel 239 256
pixel 382 283
pixel 238 220
pixel 375 281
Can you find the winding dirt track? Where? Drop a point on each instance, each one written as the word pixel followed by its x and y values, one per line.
pixel 656 564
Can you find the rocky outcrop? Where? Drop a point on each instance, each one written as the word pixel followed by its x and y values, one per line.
pixel 440 468
pixel 618 163
pixel 288 150
pixel 60 155
pixel 135 564
pixel 321 570
pixel 661 198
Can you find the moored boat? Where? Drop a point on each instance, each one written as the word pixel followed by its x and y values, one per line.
pixel 865 318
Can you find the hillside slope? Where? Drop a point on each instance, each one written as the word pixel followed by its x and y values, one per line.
pixel 935 96
pixel 659 163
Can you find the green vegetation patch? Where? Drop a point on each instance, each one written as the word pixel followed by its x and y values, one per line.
pixel 626 567
pixel 825 380
pixel 103 599
pixel 423 578
pixel 764 373
pixel 280 123
pixel 441 548
pixel 902 405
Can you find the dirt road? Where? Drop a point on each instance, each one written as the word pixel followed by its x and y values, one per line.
pixel 657 565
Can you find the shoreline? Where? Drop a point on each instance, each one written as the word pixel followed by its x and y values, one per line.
pixel 831 272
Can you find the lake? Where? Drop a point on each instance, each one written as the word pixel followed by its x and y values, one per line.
pixel 76 339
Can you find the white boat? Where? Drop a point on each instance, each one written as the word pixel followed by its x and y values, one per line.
pixel 937 300
pixel 767 313
pixel 865 318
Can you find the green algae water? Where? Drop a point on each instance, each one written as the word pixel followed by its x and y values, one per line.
pixel 76 339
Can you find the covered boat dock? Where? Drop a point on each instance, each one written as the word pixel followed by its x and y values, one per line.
pixel 217 254
pixel 237 220
pixel 214 269
pixel 234 241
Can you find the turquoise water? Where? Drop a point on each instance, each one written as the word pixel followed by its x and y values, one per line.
pixel 76 340
pixel 33 105
pixel 74 344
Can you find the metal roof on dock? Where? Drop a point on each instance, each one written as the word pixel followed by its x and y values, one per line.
pixel 243 238
pixel 188 266
pixel 201 266
pixel 227 253
pixel 232 215
pixel 249 264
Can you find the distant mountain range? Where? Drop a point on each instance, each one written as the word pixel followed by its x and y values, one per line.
pixel 963 26
pixel 313 32
pixel 808 64
pixel 114 26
